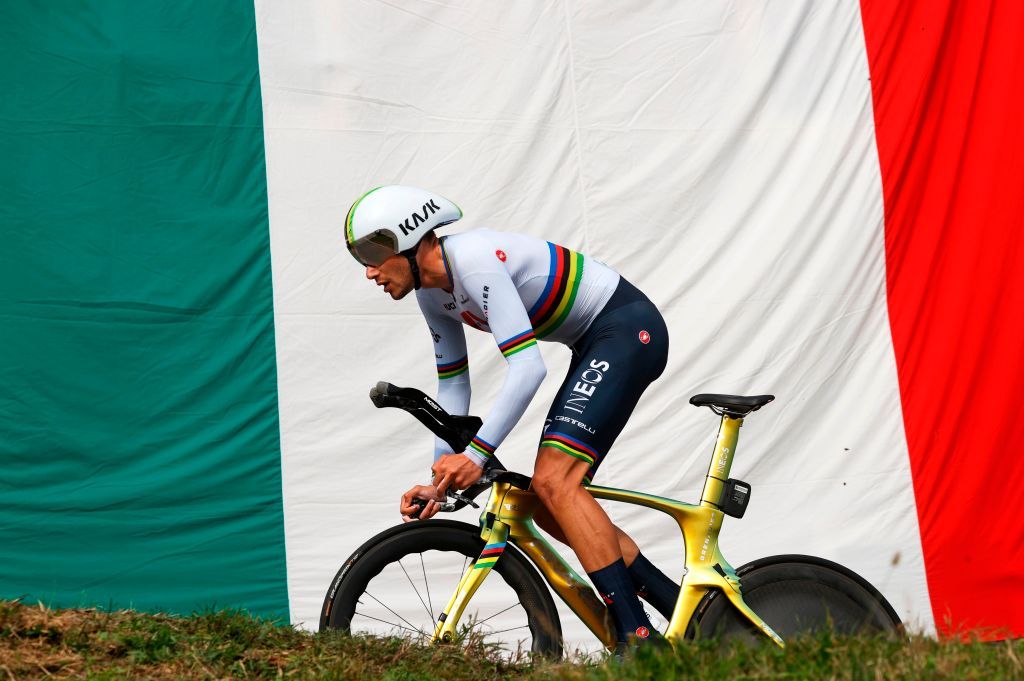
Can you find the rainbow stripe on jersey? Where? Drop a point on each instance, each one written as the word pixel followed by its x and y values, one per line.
pixel 570 446
pixel 489 556
pixel 483 447
pixel 556 300
pixel 453 369
pixel 520 341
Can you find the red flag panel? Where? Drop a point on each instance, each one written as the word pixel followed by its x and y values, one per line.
pixel 948 89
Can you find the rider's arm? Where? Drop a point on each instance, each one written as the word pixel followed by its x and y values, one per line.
pixel 493 289
pixel 453 389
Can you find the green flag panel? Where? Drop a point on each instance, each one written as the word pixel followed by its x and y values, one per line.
pixel 139 440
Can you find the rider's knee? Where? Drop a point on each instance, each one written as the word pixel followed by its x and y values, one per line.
pixel 556 476
pixel 553 485
pixel 549 487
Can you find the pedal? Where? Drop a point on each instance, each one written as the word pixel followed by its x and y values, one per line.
pixel 735 496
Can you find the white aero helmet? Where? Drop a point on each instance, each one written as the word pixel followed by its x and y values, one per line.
pixel 392 219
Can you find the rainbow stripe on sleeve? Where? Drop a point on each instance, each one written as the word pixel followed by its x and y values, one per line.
pixel 483 447
pixel 570 446
pixel 489 556
pixel 559 294
pixel 516 343
pixel 453 369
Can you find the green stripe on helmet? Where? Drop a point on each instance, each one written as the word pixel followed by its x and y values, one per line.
pixel 349 237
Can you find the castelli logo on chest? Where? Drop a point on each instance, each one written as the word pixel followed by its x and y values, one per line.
pixel 501 255
pixel 416 219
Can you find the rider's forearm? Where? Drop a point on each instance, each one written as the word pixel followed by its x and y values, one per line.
pixel 453 395
pixel 521 383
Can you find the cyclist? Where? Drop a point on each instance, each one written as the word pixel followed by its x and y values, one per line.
pixel 521 290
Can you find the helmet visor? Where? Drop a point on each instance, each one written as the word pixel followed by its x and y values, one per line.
pixel 373 249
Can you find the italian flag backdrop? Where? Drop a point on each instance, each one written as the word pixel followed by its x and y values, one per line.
pixel 825 199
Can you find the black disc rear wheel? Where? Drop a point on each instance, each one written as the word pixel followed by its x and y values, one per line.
pixel 399 582
pixel 796 595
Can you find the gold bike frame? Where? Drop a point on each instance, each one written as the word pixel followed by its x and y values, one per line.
pixel 508 516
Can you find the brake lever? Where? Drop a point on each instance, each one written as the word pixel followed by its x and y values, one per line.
pixel 420 504
pixel 458 496
pixel 447 506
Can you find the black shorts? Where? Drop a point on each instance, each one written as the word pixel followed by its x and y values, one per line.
pixel 624 350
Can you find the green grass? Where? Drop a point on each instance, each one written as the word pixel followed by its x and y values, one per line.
pixel 39 643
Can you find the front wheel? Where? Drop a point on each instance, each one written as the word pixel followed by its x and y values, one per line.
pixel 796 595
pixel 399 582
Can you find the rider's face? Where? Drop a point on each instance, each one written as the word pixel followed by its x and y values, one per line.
pixel 394 275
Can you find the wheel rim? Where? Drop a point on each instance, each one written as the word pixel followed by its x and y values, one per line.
pixel 408 594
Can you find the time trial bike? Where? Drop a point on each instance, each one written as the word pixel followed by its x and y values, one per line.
pixel 770 599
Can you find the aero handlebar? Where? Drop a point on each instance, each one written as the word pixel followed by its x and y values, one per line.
pixel 457 431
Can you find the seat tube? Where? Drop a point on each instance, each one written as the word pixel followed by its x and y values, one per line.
pixel 721 461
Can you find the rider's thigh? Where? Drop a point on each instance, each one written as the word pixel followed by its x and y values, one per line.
pixel 555 474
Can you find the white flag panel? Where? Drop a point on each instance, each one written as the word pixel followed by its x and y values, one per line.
pixel 720 156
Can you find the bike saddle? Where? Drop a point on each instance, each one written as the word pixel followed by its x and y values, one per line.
pixel 733 406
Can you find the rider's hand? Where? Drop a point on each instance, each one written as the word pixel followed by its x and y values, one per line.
pixel 427 493
pixel 455 470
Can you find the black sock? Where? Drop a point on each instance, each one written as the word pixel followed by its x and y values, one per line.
pixel 616 588
pixel 652 585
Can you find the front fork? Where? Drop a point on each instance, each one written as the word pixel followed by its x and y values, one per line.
pixel 495 535
pixel 509 513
